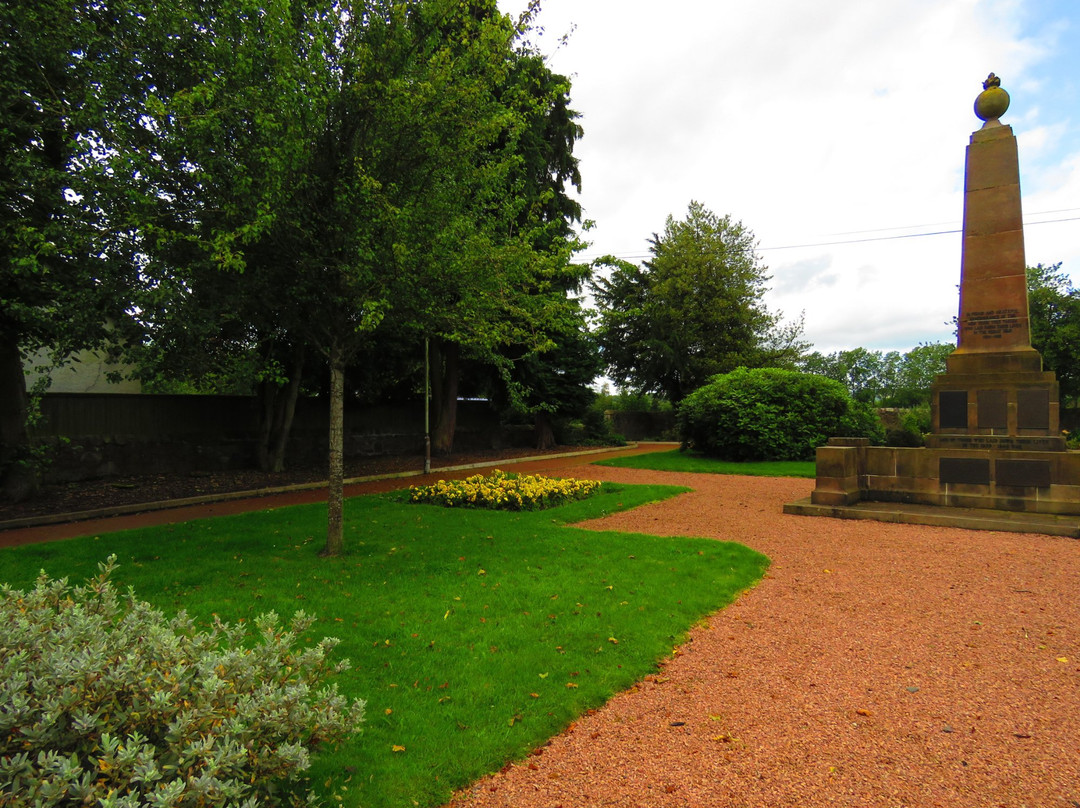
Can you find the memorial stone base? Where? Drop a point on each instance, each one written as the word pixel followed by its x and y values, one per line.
pixel 850 470
pixel 996 401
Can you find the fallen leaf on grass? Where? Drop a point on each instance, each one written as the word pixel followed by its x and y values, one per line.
pixel 397 748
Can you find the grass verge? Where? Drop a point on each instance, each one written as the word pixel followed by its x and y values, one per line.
pixel 677 460
pixel 474 635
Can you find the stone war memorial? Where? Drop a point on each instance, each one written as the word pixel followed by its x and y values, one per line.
pixel 995 458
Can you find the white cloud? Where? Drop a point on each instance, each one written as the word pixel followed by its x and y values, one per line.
pixel 807 120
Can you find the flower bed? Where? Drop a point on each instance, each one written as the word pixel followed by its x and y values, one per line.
pixel 502 491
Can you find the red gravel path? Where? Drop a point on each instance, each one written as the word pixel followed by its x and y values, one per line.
pixel 875 665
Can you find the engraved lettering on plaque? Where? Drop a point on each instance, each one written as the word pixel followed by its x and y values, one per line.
pixel 991 324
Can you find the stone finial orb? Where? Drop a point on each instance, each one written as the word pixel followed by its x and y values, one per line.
pixel 992 101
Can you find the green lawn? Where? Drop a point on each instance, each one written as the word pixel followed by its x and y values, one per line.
pixel 474 635
pixel 677 460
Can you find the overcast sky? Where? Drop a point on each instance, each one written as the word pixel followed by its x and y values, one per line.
pixel 821 122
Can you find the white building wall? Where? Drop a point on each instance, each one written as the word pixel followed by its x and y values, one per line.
pixel 85 372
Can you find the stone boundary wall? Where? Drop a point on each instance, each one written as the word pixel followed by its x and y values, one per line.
pixel 101 435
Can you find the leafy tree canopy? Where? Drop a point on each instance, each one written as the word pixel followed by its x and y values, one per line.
pixel 65 273
pixel 694 309
pixel 883 379
pixel 1054 308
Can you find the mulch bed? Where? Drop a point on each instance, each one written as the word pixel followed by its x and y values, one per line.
pixel 113 491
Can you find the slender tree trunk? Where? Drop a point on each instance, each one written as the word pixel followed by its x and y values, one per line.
pixel 335 542
pixel 544 431
pixel 444 393
pixel 278 407
pixel 267 395
pixel 283 425
pixel 18 479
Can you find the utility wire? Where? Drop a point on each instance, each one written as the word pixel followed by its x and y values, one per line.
pixel 905 235
pixel 935 224
pixel 641 256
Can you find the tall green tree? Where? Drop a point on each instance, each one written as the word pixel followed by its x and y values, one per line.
pixel 694 309
pixel 529 219
pixel 883 379
pixel 350 163
pixel 1054 308
pixel 64 271
pixel 221 156
pixel 916 374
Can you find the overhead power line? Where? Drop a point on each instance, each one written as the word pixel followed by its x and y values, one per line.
pixel 904 235
pixel 641 256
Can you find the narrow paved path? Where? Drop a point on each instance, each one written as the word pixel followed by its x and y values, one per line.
pixel 164 513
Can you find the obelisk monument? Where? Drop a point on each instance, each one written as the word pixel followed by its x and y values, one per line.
pixel 995 458
pixel 995 393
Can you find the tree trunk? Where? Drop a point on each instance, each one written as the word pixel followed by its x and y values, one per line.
pixel 283 425
pixel 276 417
pixel 335 541
pixel 444 393
pixel 267 394
pixel 544 431
pixel 18 478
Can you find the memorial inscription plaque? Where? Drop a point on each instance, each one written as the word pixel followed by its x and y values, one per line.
pixel 993 409
pixel 1022 473
pixel 964 470
pixel 1033 409
pixel 953 405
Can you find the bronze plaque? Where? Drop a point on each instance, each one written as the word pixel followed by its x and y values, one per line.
pixel 1023 473
pixel 952 409
pixel 993 409
pixel 1033 409
pixel 967 470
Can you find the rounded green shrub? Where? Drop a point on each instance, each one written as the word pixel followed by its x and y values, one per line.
pixel 771 414
pixel 104 701
pixel 912 427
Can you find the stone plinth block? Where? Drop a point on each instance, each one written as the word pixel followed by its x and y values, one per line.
pixel 1030 481
pixel 837 475
pixel 985 255
pixel 993 368
pixel 992 159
